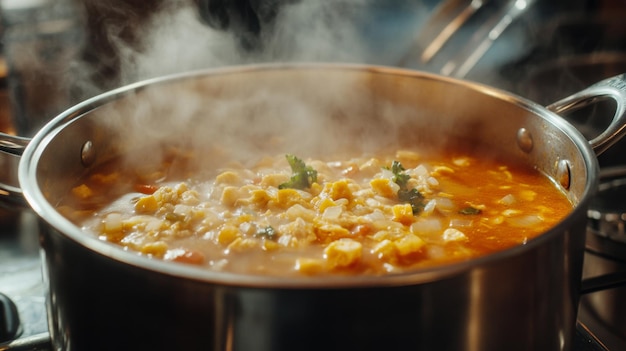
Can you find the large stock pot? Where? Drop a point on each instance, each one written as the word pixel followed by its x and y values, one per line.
pixel 102 297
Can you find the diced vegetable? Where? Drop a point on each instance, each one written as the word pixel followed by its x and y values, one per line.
pixel 352 216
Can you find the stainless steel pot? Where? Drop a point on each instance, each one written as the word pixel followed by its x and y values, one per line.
pixel 102 297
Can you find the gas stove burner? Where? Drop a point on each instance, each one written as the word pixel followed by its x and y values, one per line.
pixel 606 250
pixel 607 210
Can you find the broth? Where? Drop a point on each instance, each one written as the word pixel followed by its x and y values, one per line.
pixel 363 214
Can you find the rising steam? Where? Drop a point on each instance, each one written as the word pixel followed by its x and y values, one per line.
pixel 175 39
pixel 308 113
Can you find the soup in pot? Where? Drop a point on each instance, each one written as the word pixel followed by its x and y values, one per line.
pixel 284 215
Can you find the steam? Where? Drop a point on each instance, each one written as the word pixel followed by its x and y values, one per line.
pixel 319 31
pixel 175 39
pixel 310 113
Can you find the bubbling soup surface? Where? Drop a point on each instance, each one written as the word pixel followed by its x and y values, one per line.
pixel 364 214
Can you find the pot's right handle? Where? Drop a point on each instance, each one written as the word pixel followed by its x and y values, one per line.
pixel 11 148
pixel 612 88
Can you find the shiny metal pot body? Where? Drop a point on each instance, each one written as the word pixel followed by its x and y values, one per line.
pixel 102 297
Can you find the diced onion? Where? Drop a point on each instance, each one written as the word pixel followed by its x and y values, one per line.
pixel 376 215
pixel 112 222
pixel 444 204
pixel 460 223
pixel 452 234
pixel 508 200
pixel 332 212
pixel 428 225
pixel 525 221
pixel 429 207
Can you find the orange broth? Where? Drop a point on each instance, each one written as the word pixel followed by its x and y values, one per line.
pixel 351 219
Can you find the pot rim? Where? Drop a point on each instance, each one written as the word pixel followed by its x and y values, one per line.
pixel 27 174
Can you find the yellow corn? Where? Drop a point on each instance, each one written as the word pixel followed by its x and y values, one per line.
pixel 403 213
pixel 339 190
pixel 227 234
pixel 82 191
pixel 385 250
pixel 343 253
pixel 409 244
pixel 157 249
pixel 309 265
pixel 383 187
pixel 228 177
pixel 146 204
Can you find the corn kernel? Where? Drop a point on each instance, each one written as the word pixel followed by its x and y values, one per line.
pixel 270 245
pixel 409 244
pixel 228 177
pixel 343 253
pixel 242 244
pixel 385 250
pixel 339 190
pixel 105 179
pixel 330 232
pixel 157 248
pixel 324 203
pixel 227 234
pixel 309 265
pixel 146 204
pixel 528 195
pixel 260 197
pixel 82 191
pixel 286 198
pixel 383 187
pixel 242 218
pixel 230 195
pixel 315 189
pixel 274 180
pixel 403 213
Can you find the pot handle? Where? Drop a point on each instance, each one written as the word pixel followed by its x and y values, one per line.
pixel 11 148
pixel 612 88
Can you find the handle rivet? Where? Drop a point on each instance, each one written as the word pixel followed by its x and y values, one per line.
pixel 524 140
pixel 563 174
pixel 88 154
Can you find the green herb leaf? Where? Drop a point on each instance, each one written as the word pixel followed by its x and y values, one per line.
pixel 411 196
pixel 268 232
pixel 469 210
pixel 398 177
pixel 303 175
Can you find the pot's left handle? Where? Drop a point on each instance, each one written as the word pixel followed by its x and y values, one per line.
pixel 11 148
pixel 612 88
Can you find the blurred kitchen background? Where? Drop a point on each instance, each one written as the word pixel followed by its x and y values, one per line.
pixel 55 53
pixel 59 52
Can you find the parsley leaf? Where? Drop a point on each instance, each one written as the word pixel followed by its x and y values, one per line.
pixel 411 196
pixel 469 210
pixel 268 232
pixel 303 175
pixel 398 177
